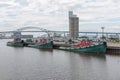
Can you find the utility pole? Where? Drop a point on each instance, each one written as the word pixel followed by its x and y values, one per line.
pixel 102 32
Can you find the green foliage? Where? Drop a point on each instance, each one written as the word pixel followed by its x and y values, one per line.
pixel 83 37
pixel 28 40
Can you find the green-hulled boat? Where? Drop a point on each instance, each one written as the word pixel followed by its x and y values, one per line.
pixel 16 43
pixel 48 45
pixel 98 48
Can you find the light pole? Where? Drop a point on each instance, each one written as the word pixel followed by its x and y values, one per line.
pixel 102 31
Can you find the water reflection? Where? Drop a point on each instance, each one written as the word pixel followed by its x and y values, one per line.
pixel 46 50
pixel 95 55
pixel 113 52
pixel 88 67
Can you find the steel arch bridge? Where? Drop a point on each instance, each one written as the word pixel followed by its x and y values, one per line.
pixel 41 30
pixel 31 27
pixel 49 33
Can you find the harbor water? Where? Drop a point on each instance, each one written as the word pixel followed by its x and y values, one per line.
pixel 24 63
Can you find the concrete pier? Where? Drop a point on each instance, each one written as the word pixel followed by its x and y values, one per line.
pixel 113 44
pixel 113 48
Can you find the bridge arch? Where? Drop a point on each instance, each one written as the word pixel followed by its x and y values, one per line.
pixel 32 27
pixel 49 33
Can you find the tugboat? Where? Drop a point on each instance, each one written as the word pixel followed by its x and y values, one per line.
pixel 42 44
pixel 86 47
pixel 17 42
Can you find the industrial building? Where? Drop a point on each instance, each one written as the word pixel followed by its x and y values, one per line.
pixel 73 26
pixel 19 35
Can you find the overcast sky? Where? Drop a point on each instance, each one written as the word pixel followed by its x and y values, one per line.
pixel 53 14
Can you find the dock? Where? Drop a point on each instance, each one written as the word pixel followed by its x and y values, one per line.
pixel 113 48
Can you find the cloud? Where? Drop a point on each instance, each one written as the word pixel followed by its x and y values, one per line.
pixel 22 2
pixel 115 28
pixel 53 14
pixel 4 5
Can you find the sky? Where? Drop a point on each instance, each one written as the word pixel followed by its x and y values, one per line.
pixel 53 14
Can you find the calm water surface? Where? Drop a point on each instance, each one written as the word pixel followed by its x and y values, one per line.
pixel 34 64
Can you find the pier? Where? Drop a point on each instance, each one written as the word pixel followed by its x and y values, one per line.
pixel 113 48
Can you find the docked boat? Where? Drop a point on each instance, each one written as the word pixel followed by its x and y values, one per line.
pixel 16 43
pixel 42 44
pixel 86 47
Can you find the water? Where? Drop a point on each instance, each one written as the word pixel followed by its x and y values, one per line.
pixel 34 64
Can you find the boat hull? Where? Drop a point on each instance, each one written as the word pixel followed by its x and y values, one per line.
pixel 15 44
pixel 100 48
pixel 48 45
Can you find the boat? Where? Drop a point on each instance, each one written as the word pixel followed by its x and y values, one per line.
pixel 29 41
pixel 17 42
pixel 86 47
pixel 42 44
